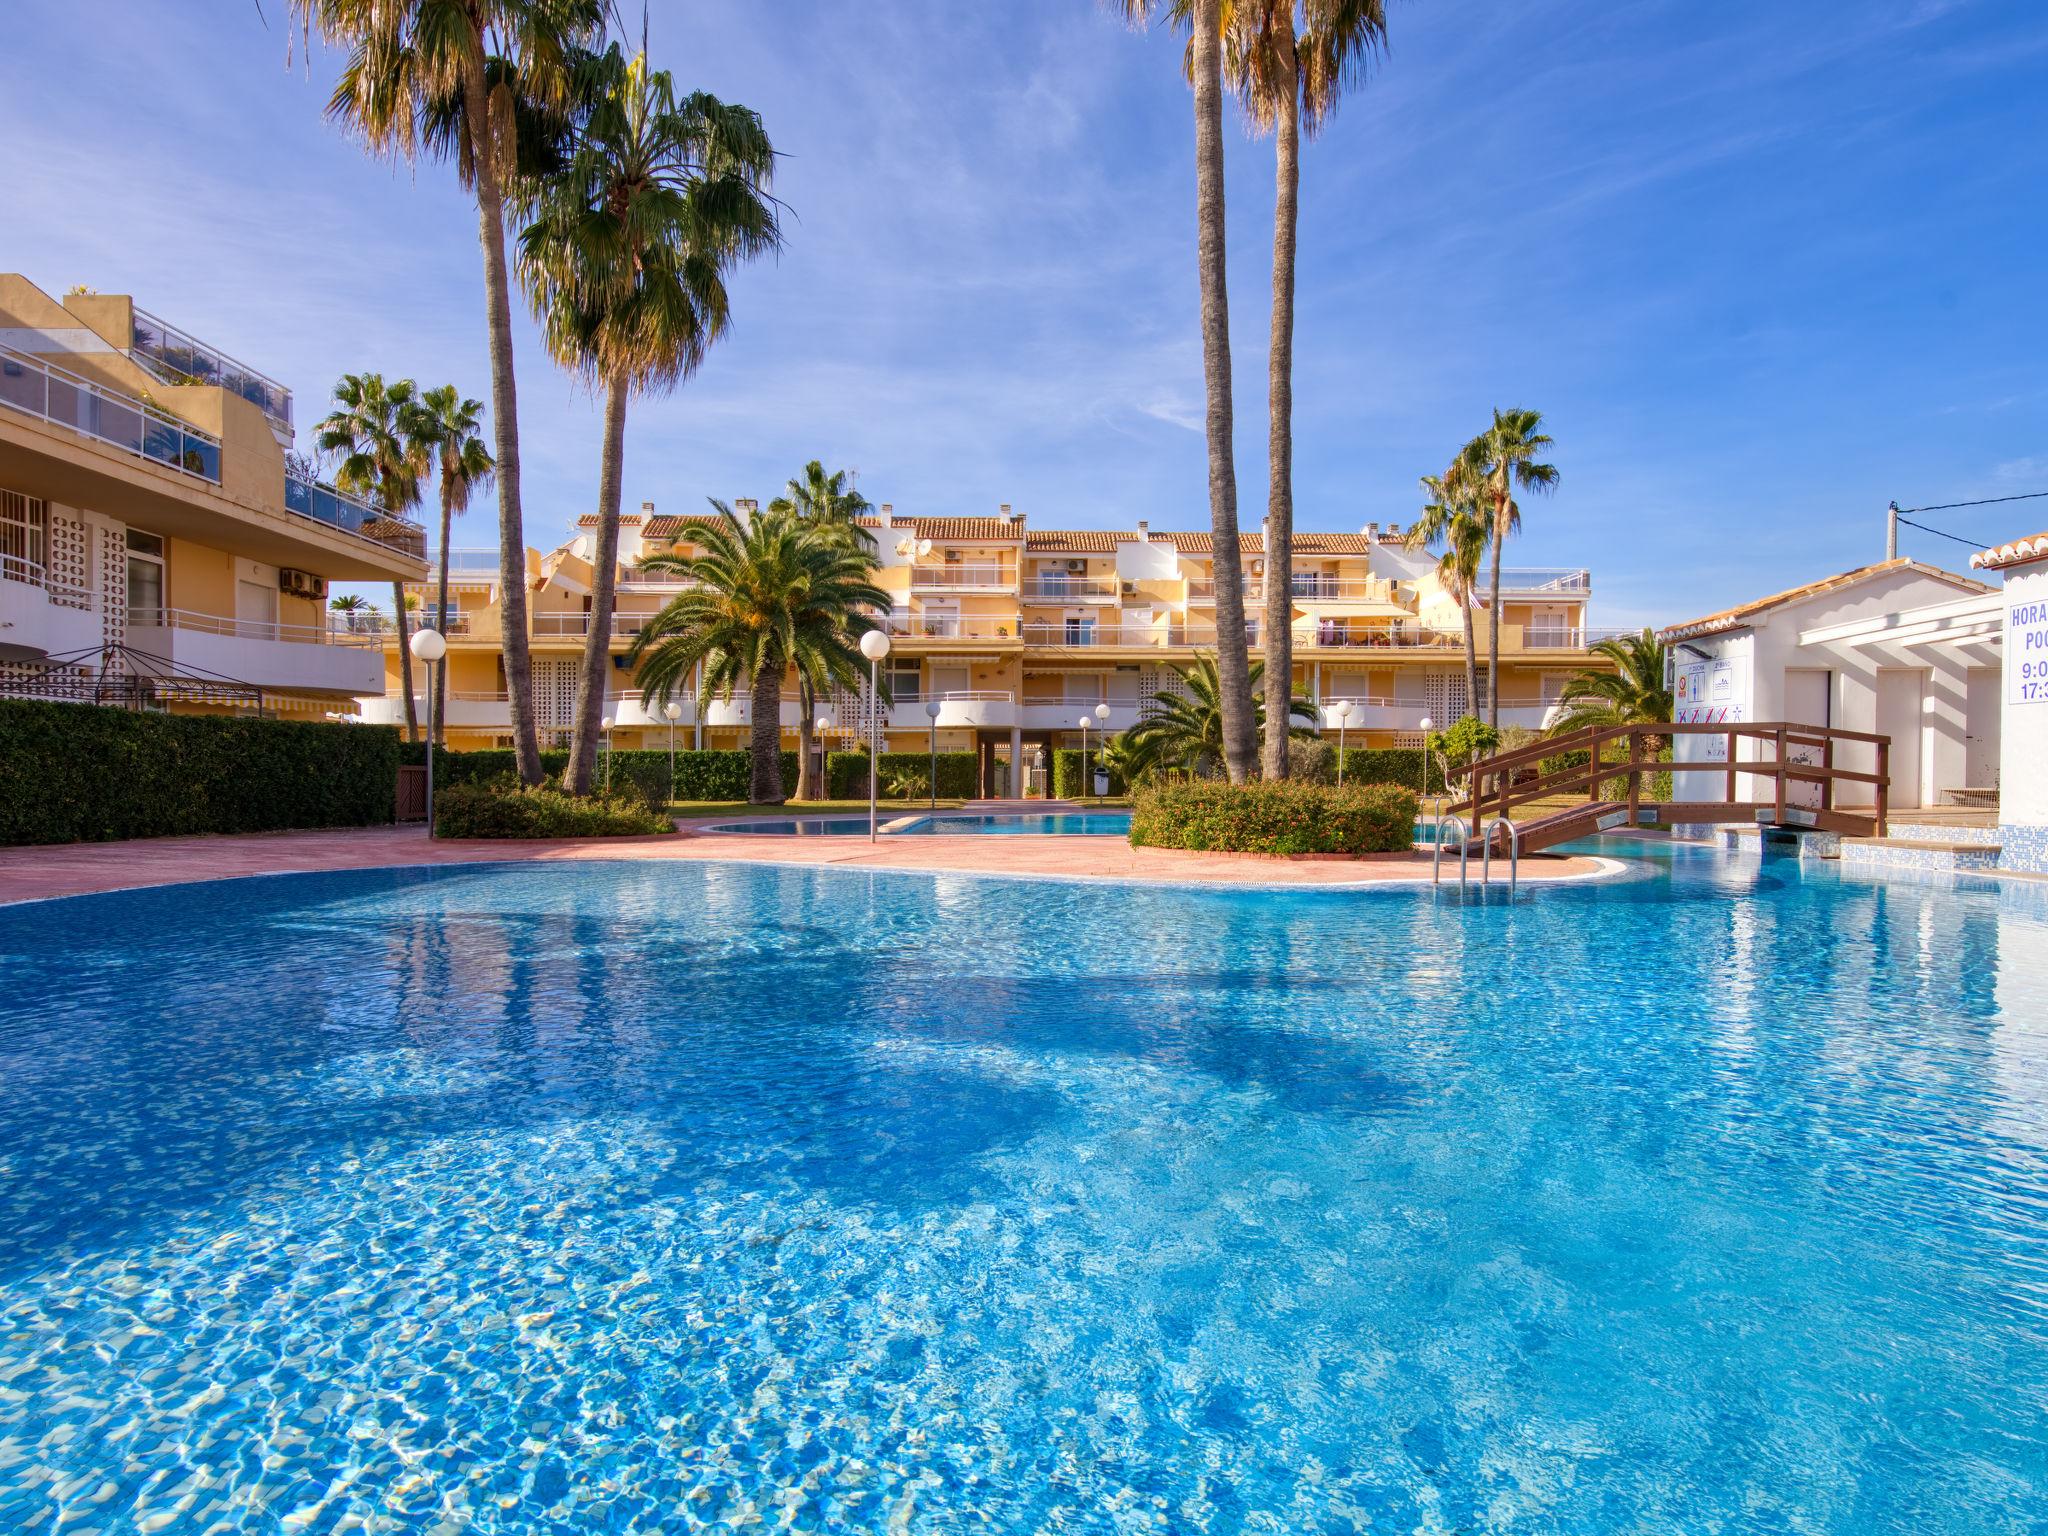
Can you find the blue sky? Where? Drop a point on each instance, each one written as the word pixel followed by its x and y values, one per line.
pixel 1764 267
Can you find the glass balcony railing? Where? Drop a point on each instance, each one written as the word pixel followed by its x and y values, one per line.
pixel 39 388
pixel 338 509
pixel 179 358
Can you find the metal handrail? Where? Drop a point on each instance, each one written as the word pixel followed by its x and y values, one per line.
pixel 1514 853
pixel 38 387
pixel 228 372
pixel 248 629
pixel 1464 851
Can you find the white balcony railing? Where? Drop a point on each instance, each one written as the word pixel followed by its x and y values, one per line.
pixel 1329 636
pixel 948 627
pixel 250 629
pixel 469 564
pixel 42 389
pixel 1070 589
pixel 1083 635
pixel 1570 639
pixel 999 578
pixel 1559 579
pixel 557 626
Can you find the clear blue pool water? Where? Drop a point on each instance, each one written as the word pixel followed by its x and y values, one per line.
pixel 945 824
pixel 637 1197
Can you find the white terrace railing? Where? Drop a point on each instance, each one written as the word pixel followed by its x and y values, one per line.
pixel 960 577
pixel 467 563
pixel 54 394
pixel 1559 579
pixel 249 629
pixel 1067 589
pixel 556 626
pixel 1539 639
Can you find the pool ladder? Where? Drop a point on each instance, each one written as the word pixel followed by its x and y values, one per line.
pixel 1465 836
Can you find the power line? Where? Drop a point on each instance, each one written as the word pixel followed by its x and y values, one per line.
pixel 1940 534
pixel 1988 501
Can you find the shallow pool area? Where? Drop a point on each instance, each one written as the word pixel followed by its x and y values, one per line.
pixel 638 1196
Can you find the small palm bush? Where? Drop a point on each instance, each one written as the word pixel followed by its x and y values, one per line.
pixel 1280 817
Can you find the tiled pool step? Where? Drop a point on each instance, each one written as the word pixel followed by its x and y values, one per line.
pixel 1921 852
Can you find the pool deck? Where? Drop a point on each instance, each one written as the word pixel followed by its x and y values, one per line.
pixel 77 869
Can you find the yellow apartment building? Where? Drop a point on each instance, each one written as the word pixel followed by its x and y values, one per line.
pixel 156 548
pixel 1014 633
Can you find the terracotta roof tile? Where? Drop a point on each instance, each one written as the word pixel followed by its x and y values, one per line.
pixel 1739 617
pixel 993 529
pixel 2018 552
pixel 1205 543
pixel 1081 541
pixel 670 525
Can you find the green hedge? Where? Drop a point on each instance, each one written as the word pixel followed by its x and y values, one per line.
pixel 85 773
pixel 846 774
pixel 1656 786
pixel 699 775
pixel 504 808
pixel 1282 817
pixel 1066 774
pixel 1388 765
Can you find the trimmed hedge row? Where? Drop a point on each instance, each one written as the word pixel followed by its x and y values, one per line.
pixel 1066 774
pixel 846 774
pixel 503 808
pixel 699 775
pixel 87 773
pixel 1278 817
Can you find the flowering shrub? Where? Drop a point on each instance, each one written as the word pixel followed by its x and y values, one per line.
pixel 505 808
pixel 1282 817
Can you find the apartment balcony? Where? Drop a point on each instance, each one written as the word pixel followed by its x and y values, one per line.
pixel 1202 591
pixel 576 626
pixel 42 389
pixel 172 355
pixel 1080 634
pixel 1065 715
pixel 1329 635
pixel 990 710
pixel 266 655
pixel 469 711
pixel 39 618
pixel 468 566
pixel 337 509
pixel 1072 589
pixel 948 628
pixel 1382 714
pixel 1559 581
pixel 738 711
pixel 1310 587
pixel 963 578
pixel 1579 639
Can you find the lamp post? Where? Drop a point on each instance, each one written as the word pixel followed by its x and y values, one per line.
pixel 1343 720
pixel 1101 713
pixel 1428 725
pixel 823 726
pixel 931 708
pixel 605 741
pixel 431 647
pixel 874 645
pixel 672 712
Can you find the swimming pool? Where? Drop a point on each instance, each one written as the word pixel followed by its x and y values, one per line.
pixel 672 1196
pixel 898 823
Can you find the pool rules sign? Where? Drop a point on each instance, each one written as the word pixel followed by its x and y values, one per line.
pixel 2026 652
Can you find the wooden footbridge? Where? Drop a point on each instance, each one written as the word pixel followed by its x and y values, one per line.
pixel 1793 778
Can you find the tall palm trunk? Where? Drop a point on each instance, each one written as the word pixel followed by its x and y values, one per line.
pixel 1500 519
pixel 764 741
pixel 604 567
pixel 1279 635
pixel 437 713
pixel 1233 659
pixel 490 207
pixel 806 740
pixel 1471 659
pixel 412 714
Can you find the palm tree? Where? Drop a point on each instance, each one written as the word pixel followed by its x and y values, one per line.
pixel 1289 61
pixel 353 610
pixel 625 262
pixel 1634 693
pixel 446 428
pixel 1452 518
pixel 1204 19
pixel 827 503
pixel 767 593
pixel 371 427
pixel 1184 727
pixel 1500 459
pixel 461 78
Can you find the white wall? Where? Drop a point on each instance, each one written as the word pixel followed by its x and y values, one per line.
pixel 2023 747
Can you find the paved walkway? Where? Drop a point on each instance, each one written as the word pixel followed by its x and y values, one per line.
pixel 74 869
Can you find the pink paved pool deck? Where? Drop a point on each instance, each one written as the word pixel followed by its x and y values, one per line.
pixel 76 869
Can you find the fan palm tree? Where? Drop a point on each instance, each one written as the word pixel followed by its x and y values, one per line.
pixel 463 79
pixel 1452 519
pixel 827 503
pixel 625 263
pixel 1290 61
pixel 768 593
pixel 1502 459
pixel 354 610
pixel 1183 727
pixel 1633 693
pixel 371 428
pixel 447 430
pixel 1204 20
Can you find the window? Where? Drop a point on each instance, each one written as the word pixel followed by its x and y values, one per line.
pixel 24 531
pixel 145 577
pixel 256 610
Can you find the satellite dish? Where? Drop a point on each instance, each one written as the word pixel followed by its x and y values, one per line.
pixel 924 547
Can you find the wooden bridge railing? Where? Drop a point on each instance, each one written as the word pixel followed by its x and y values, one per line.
pixel 1493 789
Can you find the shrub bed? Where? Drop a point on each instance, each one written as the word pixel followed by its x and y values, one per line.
pixel 846 774
pixel 1066 774
pixel 1285 817
pixel 505 808
pixel 87 773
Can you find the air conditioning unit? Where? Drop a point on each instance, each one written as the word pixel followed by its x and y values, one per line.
pixel 301 584
pixel 1077 567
